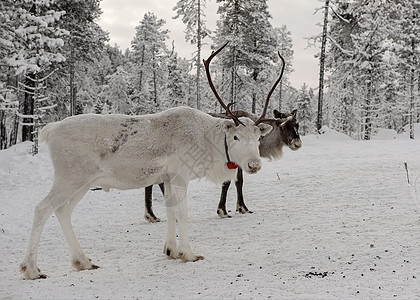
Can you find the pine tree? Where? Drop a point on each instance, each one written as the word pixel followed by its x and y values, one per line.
pixel 178 81
pixel 359 37
pixel 406 40
pixel 37 42
pixel 116 92
pixel 341 97
pixel 8 16
pixel 322 66
pixel 149 60
pixel 84 43
pixel 192 13
pixel 285 47
pixel 252 47
pixel 305 110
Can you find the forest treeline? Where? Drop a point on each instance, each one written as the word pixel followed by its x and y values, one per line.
pixel 55 61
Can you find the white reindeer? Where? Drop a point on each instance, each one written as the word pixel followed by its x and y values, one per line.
pixel 130 152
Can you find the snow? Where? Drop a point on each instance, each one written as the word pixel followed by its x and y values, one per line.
pixel 334 220
pixel 385 134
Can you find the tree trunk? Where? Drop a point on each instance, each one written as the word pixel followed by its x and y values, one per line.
pixel 141 67
pixel 254 94
pixel 198 52
pixel 412 75
pixel 322 67
pixel 28 108
pixel 233 93
pixel 3 135
pixel 235 25
pixel 72 87
pixel 368 115
pixel 14 131
pixel 155 97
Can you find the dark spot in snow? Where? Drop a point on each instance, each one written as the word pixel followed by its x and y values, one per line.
pixel 316 274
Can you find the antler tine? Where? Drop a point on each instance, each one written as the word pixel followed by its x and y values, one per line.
pixel 271 91
pixel 207 67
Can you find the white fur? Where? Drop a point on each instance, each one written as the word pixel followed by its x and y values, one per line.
pixel 128 152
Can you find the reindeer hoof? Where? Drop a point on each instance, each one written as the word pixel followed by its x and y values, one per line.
pixel 184 258
pixel 223 214
pixel 170 252
pixel 198 257
pixel 151 218
pixel 31 275
pixel 244 210
pixel 83 264
pixel 40 276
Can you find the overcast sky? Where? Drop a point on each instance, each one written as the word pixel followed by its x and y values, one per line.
pixel 120 17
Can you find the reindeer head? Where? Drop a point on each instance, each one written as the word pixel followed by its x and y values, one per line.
pixel 243 141
pixel 285 132
pixel 289 129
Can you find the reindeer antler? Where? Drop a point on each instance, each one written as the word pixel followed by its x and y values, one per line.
pixel 207 67
pixel 260 119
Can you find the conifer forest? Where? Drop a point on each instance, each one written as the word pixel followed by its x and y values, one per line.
pixel 56 61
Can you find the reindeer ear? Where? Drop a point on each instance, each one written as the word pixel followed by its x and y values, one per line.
pixel 294 112
pixel 279 115
pixel 264 128
pixel 227 125
pixel 276 113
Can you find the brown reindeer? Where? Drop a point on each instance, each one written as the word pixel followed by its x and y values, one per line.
pixel 285 132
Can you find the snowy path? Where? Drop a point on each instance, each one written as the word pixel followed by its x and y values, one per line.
pixel 335 219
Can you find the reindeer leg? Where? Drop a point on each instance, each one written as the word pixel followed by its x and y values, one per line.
pixel 148 213
pixel 170 248
pixel 63 213
pixel 41 214
pixel 221 208
pixel 60 193
pixel 240 204
pixel 176 207
pixel 162 188
pixel 185 251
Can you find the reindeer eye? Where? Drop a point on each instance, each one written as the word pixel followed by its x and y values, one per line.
pixel 235 138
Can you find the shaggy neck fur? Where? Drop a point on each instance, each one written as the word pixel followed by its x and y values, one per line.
pixel 218 173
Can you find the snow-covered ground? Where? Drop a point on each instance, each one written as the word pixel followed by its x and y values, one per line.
pixel 336 219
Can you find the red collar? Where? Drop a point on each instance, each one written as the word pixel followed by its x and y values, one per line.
pixel 229 164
